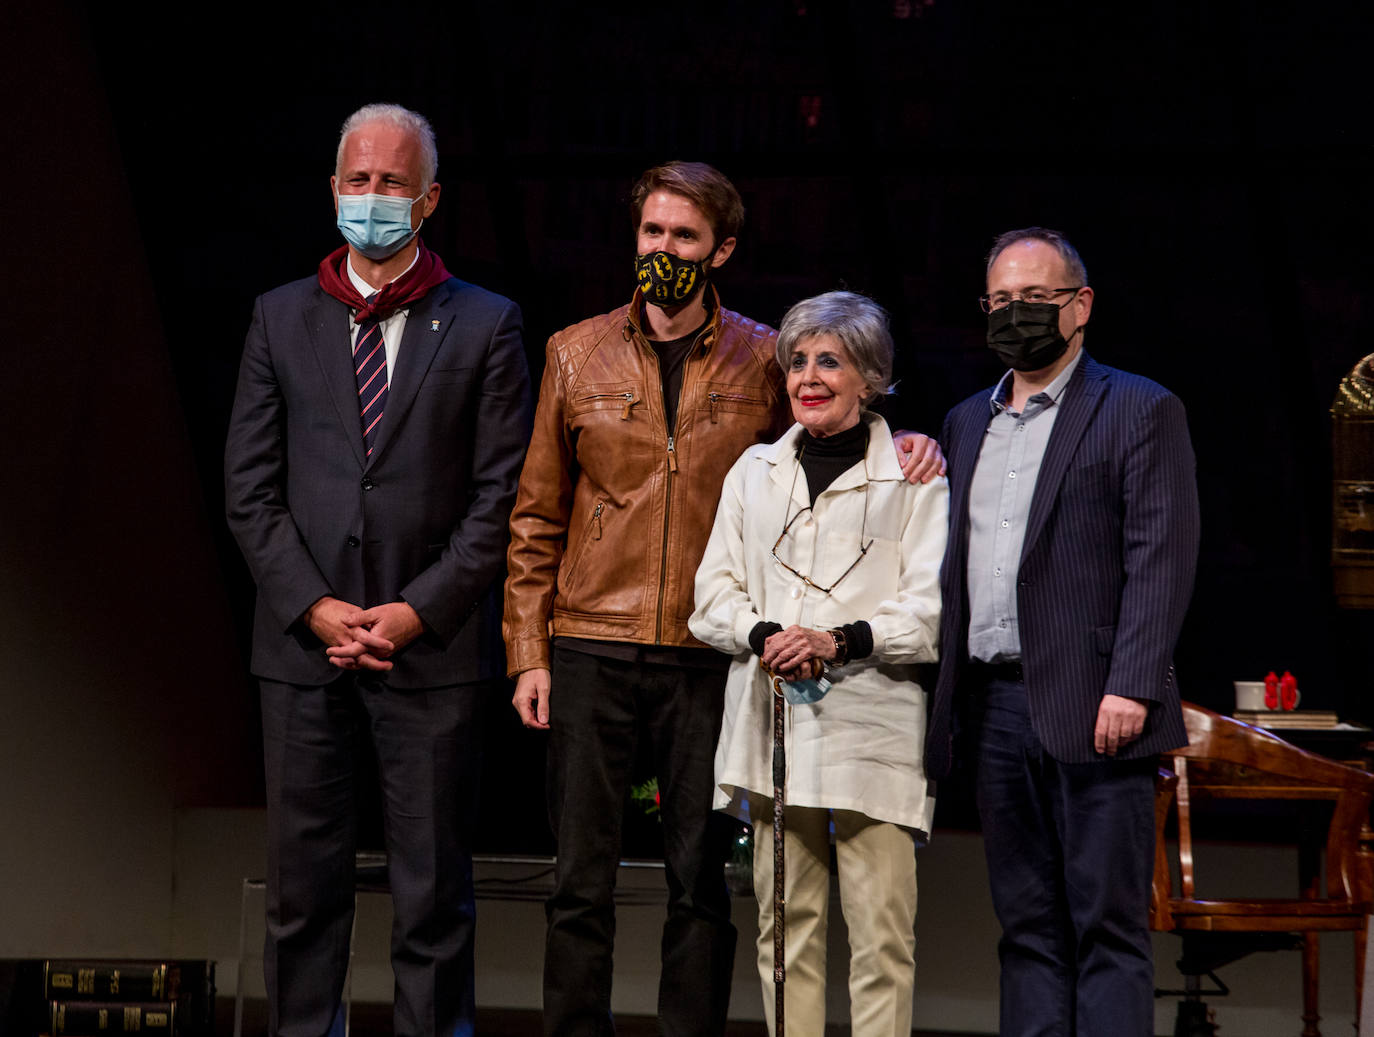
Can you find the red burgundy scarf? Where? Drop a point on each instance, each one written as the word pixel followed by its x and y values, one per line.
pixel 426 272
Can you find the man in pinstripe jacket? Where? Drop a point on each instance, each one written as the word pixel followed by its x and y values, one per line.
pixel 1073 541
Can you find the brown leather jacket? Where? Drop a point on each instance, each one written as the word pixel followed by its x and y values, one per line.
pixel 613 512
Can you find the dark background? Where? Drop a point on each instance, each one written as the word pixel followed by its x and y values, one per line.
pixel 1211 161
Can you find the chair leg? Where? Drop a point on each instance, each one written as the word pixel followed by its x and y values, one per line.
pixel 1361 949
pixel 1193 1020
pixel 1311 967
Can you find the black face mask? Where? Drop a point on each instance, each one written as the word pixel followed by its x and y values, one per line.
pixel 1025 335
pixel 669 280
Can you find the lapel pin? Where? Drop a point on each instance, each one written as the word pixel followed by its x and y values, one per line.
pixel 434 325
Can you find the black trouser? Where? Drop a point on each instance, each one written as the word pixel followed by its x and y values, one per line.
pixel 597 706
pixel 1070 852
pixel 426 749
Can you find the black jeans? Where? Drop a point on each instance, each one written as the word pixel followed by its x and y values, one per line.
pixel 597 706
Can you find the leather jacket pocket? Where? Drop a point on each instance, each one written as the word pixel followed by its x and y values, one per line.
pixel 620 399
pixel 577 550
pixel 723 398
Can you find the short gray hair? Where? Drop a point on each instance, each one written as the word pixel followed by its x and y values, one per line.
pixel 1052 238
pixel 402 118
pixel 857 321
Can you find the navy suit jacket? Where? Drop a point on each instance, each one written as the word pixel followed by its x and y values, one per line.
pixel 424 520
pixel 1106 570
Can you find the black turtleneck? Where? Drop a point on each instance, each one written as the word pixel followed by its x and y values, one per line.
pixel 825 458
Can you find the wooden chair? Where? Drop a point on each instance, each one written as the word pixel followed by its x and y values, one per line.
pixel 1229 760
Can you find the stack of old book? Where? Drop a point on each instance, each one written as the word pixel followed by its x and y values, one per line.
pixel 90 998
pixel 1290 718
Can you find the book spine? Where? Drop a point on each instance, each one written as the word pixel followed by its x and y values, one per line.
pixel 97 1017
pixel 108 981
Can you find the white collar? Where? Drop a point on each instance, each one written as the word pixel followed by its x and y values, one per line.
pixel 365 289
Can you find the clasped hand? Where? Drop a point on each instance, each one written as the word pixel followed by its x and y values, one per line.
pixel 363 639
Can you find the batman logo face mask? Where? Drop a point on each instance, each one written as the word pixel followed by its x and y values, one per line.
pixel 669 280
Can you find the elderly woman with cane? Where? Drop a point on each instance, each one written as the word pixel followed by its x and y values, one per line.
pixel 823 570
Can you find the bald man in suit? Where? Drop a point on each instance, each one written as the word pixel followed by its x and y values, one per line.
pixel 1073 541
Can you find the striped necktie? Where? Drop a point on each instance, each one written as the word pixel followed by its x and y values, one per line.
pixel 369 363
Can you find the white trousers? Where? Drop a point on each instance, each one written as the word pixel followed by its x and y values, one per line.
pixel 877 873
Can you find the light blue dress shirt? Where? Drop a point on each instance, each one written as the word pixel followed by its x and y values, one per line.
pixel 998 510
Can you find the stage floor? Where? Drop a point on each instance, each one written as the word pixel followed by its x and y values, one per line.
pixel 374 1020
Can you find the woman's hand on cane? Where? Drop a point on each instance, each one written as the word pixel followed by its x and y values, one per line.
pixel 798 652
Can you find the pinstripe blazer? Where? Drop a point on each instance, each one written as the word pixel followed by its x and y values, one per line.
pixel 1106 569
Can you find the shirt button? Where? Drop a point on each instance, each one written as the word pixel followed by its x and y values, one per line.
pixel 367 482
pixel 1011 475
pixel 352 541
pixel 1004 523
pixel 1021 427
pixel 1002 623
pixel 997 571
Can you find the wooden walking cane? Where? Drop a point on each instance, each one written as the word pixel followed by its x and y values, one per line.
pixel 814 669
pixel 779 866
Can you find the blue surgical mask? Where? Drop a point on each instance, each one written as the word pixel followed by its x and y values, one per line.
pixel 805 691
pixel 377 225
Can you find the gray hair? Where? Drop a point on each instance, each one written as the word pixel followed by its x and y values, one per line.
pixel 857 321
pixel 403 119
pixel 1052 238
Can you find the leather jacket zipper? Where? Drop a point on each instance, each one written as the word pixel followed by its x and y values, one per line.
pixel 628 397
pixel 668 495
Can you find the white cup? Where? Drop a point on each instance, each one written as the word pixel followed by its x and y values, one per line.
pixel 1249 695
